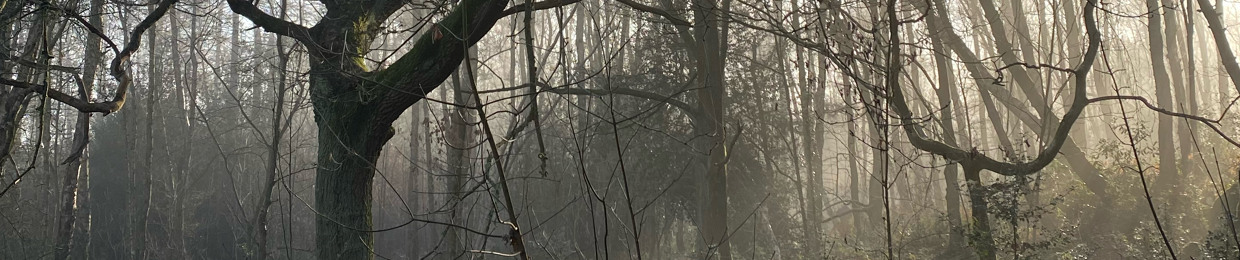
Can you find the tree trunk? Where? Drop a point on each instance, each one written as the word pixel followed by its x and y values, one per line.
pixel 1076 159
pixel 810 131
pixel 1226 56
pixel 945 76
pixel 273 157
pixel 1174 186
pixel 180 172
pixel 414 185
pixel 348 148
pixel 1167 171
pixel 983 239
pixel 191 97
pixel 355 107
pixel 155 78
pixel 81 136
pixel 460 139
pixel 786 88
pixel 710 99
pixel 1072 43
pixel 13 101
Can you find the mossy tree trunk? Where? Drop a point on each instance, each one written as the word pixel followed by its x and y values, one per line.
pixel 354 107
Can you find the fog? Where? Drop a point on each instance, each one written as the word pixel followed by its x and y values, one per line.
pixel 627 129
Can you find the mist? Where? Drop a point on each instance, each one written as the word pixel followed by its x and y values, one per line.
pixel 627 129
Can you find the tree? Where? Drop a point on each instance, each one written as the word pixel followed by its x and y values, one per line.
pixel 355 106
pixel 81 137
pixel 971 161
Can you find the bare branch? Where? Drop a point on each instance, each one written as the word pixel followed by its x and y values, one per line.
pixel 656 11
pixel 973 158
pixel 270 23
pixel 33 64
pixel 689 109
pixel 80 104
pixel 1211 123
pixel 548 4
pixel 433 57
pixel 124 80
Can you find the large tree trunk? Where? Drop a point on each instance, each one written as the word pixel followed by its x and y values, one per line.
pixel 1174 185
pixel 348 148
pixel 355 107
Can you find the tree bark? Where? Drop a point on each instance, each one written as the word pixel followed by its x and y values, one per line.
pixel 81 136
pixel 13 101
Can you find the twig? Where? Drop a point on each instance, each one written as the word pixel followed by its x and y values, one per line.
pixel 1132 143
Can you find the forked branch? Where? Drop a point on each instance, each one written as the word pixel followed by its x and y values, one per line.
pixel 124 80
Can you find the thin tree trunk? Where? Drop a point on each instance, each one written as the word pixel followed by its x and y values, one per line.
pixel 945 76
pixel 710 99
pixel 413 187
pixel 809 137
pixel 273 153
pixel 461 139
pixel 786 88
pixel 985 243
pixel 81 136
pixel 1167 171
pixel 850 90
pixel 1191 90
pixel 148 151
pixel 191 96
pixel 1174 185
pixel 1226 56
pixel 178 175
